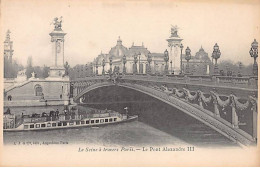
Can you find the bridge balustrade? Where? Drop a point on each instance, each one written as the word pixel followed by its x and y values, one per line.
pixel 243 82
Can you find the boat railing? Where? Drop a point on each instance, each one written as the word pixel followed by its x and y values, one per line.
pixel 100 115
pixel 69 117
pixel 17 120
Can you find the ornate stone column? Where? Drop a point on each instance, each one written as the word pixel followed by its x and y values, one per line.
pixel 174 42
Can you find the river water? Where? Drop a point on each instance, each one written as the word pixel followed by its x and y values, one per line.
pixel 152 129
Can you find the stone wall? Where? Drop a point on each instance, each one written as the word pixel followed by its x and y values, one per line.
pixel 8 83
pixel 52 90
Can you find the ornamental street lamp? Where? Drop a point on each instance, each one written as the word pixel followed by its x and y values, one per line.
pixel 254 53
pixel 135 66
pixel 227 70
pixel 181 46
pixel 171 66
pixel 139 55
pixel 124 62
pixel 96 67
pixel 216 55
pixel 149 60
pixel 166 59
pixel 103 65
pixel 86 70
pixel 90 69
pixel 187 57
pixel 194 69
pixel 239 74
pixel 110 63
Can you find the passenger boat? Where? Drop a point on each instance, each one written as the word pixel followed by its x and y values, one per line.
pixel 70 118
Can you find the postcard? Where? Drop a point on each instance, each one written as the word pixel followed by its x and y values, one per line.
pixel 129 83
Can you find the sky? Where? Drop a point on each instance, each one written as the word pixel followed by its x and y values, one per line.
pixel 93 27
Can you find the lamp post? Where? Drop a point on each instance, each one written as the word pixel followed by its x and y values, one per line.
pixel 124 62
pixel 103 65
pixel 166 59
pixel 135 66
pixel 171 66
pixel 187 57
pixel 239 74
pixel 149 60
pixel 181 46
pixel 96 67
pixel 86 70
pixel 91 69
pixel 110 63
pixel 254 53
pixel 216 55
pixel 139 55
pixel 227 70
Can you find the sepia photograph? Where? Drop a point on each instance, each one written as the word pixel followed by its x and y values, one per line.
pixel 129 83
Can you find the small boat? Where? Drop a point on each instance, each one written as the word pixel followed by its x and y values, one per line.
pixel 70 118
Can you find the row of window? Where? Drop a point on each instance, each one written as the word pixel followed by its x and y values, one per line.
pixel 95 121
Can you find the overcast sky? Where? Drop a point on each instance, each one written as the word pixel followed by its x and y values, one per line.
pixel 93 27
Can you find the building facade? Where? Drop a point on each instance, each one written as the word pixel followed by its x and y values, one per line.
pixel 135 58
pixel 200 64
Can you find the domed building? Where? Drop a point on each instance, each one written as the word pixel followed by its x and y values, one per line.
pixel 119 50
pixel 199 64
pixel 134 54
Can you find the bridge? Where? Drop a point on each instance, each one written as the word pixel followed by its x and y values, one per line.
pixel 225 104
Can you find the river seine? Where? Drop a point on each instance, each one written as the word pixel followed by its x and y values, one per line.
pixel 152 129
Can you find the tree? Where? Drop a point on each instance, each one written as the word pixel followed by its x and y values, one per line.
pixel 38 71
pixel 11 68
pixel 29 68
pixel 229 66
pixel 45 71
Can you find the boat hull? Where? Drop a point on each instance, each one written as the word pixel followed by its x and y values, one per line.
pixel 131 118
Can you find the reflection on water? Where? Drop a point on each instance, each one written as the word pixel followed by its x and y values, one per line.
pixel 126 134
pixel 175 123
